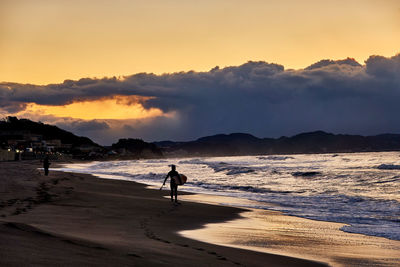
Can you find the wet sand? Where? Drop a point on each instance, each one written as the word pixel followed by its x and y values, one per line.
pixel 75 219
pixel 274 232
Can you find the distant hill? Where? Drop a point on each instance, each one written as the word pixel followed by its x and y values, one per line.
pixel 313 142
pixel 13 127
pixel 36 137
pixel 136 148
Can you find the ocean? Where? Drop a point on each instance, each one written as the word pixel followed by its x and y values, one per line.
pixel 361 190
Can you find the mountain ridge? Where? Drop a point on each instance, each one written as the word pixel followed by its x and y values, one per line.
pixel 233 144
pixel 309 142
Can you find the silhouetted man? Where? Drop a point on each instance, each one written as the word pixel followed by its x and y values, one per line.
pixel 174 175
pixel 46 165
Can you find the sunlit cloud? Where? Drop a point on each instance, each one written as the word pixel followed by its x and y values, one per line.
pixel 115 108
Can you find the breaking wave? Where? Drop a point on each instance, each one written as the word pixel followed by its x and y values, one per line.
pixel 388 167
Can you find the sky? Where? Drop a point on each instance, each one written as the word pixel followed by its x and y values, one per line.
pixel 179 70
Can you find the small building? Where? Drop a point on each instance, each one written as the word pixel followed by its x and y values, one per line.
pixel 56 143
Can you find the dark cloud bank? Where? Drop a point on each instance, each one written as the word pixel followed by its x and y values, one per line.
pixel 257 97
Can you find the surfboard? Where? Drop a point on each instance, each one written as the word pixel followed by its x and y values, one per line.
pixel 180 180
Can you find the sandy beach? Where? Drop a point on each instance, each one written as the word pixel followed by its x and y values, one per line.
pixel 68 219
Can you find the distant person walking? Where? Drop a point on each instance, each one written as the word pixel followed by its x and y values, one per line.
pixel 46 165
pixel 174 176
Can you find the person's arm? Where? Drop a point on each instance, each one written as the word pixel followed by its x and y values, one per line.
pixel 166 177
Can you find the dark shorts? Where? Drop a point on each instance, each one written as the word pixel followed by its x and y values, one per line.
pixel 173 184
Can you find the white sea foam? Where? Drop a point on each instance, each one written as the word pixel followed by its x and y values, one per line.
pixel 346 188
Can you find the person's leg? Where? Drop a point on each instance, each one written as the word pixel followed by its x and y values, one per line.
pixel 46 171
pixel 172 193
pixel 173 189
pixel 176 193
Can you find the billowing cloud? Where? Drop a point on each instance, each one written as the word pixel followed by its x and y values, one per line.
pixel 84 126
pixel 257 97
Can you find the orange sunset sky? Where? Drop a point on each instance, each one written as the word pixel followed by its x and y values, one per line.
pixel 48 41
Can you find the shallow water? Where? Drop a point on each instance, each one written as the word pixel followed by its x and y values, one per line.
pixel 359 189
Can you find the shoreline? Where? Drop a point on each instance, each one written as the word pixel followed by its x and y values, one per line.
pixel 79 219
pixel 254 203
